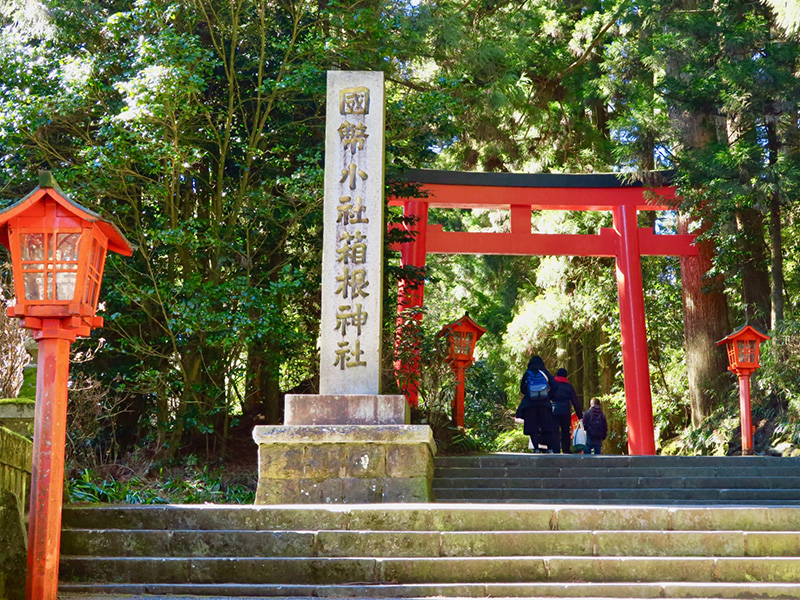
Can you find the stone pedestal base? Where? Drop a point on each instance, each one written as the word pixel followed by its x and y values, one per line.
pixel 352 409
pixel 303 464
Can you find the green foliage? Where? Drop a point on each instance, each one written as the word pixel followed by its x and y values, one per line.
pixel 512 440
pixel 190 487
pixel 486 414
pixel 779 376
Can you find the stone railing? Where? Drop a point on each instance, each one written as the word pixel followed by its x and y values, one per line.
pixel 16 454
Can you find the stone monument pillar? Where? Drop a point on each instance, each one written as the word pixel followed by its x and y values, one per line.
pixel 349 443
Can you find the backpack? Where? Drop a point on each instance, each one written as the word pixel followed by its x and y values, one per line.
pixel 538 388
pixel 593 422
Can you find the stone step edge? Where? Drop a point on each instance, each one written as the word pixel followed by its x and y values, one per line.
pixel 596 591
pixel 431 571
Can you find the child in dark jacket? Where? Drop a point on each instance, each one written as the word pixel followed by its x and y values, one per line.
pixel 564 399
pixel 596 426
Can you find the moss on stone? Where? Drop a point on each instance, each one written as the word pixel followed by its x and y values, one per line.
pixel 17 401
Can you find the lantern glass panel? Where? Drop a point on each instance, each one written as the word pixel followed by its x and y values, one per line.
pixel 732 360
pixel 746 350
pixel 92 291
pixel 32 253
pixel 49 265
pixel 463 342
pixel 66 264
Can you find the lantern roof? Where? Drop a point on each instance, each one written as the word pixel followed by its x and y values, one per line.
pixel 744 332
pixel 465 323
pixel 49 188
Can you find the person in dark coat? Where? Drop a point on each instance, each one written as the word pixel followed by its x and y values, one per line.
pixel 596 426
pixel 563 401
pixel 536 412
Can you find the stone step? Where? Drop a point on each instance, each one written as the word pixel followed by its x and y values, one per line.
pixel 517 569
pixel 630 495
pixel 342 544
pixel 627 502
pixel 584 461
pixel 619 482
pixel 532 591
pixel 431 517
pixel 580 472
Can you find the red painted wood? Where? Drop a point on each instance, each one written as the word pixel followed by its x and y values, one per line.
pixel 551 244
pixel 542 198
pixel 458 398
pixel 744 411
pixel 635 366
pixel 520 244
pixel 47 477
pixel 627 242
pixel 412 295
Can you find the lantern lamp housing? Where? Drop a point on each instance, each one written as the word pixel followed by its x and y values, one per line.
pixel 744 347
pixel 58 250
pixel 462 336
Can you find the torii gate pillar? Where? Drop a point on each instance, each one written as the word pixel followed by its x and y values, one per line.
pixel 635 364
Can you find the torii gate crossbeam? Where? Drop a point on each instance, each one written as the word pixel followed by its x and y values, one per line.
pixel 523 193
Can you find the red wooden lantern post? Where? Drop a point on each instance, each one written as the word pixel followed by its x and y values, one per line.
pixel 461 337
pixel 743 353
pixel 58 250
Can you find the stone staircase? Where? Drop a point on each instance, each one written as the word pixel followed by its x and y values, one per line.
pixel 672 480
pixel 426 550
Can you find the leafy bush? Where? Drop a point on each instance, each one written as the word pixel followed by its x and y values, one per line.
pixel 194 486
pixel 512 440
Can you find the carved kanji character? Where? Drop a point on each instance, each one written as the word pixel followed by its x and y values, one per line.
pixel 352 283
pixel 354 101
pixel 353 317
pixel 353 135
pixel 350 172
pixel 350 212
pixel 353 250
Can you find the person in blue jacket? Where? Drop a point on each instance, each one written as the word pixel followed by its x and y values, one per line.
pixel 536 412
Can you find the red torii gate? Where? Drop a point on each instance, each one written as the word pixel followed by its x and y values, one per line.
pixel 523 193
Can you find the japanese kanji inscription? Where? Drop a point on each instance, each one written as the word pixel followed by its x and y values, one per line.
pixel 352 259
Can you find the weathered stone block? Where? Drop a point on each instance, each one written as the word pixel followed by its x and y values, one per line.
pixel 498 516
pixel 619 518
pixel 115 542
pixel 669 543
pixel 772 543
pixel 242 543
pixel 324 491
pixel 642 569
pixel 356 490
pixel 463 570
pixel 366 461
pixel 346 409
pixel 406 489
pixel 125 570
pixel 378 543
pixel 393 518
pixel 277 491
pixel 282 570
pixel 783 570
pixel 744 518
pixel 335 457
pixel 409 460
pixel 516 543
pixel 280 461
pixel 13 554
pixel 323 461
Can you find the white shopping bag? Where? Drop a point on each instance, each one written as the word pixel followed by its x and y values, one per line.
pixel 579 437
